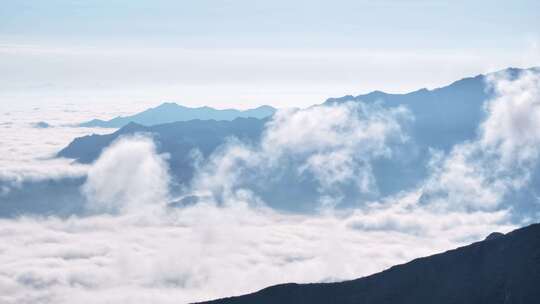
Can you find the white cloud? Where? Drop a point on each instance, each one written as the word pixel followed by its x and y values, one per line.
pixel 128 175
pixel 204 251
pixel 333 144
pixel 514 117
pixel 336 142
pixel 27 154
pixel 478 174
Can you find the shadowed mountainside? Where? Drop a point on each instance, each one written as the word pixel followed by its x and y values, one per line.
pixel 500 269
pixel 171 112
pixel 178 139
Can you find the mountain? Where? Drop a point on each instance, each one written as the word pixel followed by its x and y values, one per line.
pixel 177 138
pixel 454 110
pixel 443 117
pixel 172 112
pixel 501 269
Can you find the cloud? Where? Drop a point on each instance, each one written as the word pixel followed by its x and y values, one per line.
pixel 336 140
pixel 513 115
pixel 128 175
pixel 28 153
pixel 205 251
pixel 479 174
pixel 322 149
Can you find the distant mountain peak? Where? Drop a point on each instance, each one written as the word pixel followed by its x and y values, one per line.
pixel 168 105
pixel 265 107
pixel 131 127
pixel 168 112
pixel 472 80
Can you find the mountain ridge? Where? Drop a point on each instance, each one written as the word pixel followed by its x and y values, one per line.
pixel 443 118
pixel 169 112
pixel 502 269
pixel 512 71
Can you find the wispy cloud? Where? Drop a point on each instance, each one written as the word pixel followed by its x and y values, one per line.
pixel 324 149
pixel 478 174
pixel 206 251
pixel 129 174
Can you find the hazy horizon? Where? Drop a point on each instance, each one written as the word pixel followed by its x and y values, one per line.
pixel 248 53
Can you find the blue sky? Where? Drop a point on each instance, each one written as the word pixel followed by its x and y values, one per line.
pixel 254 52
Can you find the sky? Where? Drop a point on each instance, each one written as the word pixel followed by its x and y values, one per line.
pixel 247 53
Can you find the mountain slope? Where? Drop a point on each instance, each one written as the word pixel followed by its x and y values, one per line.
pixel 178 139
pixel 453 111
pixel 500 269
pixel 443 117
pixel 172 112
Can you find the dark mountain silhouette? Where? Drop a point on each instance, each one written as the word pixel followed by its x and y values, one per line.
pixel 172 112
pixel 503 269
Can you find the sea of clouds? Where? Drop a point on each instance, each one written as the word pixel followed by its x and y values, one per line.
pixel 133 247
